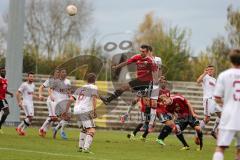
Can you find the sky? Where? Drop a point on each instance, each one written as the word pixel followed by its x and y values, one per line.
pixel 206 19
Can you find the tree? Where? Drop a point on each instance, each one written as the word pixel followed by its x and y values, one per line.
pixel 170 43
pixel 233 26
pixel 49 28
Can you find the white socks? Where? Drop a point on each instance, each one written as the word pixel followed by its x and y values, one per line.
pixel 46 124
pixel 82 138
pixel 63 123
pixel 218 156
pixel 88 141
pixel 152 116
pixel 24 124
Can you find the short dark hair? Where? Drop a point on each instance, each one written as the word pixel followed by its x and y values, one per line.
pixel 210 66
pixel 150 48
pixel 145 46
pixel 61 69
pixel 30 73
pixel 91 77
pixel 234 56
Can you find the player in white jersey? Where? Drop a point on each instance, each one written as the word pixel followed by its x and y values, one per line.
pixel 227 95
pixel 59 94
pixel 51 107
pixel 210 106
pixel 24 97
pixel 156 87
pixel 85 110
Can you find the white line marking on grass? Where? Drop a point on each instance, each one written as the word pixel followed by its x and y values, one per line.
pixel 51 154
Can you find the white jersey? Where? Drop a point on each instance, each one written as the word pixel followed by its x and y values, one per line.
pixel 158 62
pixel 27 91
pixel 49 83
pixel 61 88
pixel 84 96
pixel 208 86
pixel 228 88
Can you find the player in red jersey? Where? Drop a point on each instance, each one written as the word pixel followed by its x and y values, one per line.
pixel 185 116
pixel 3 101
pixel 145 68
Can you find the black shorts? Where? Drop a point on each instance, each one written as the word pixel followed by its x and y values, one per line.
pixel 138 85
pixel 184 122
pixel 3 104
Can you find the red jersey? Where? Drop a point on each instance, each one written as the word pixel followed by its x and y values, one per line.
pixel 161 108
pixel 145 67
pixel 142 105
pixel 179 106
pixel 3 88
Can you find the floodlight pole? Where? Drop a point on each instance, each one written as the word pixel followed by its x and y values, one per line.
pixel 14 56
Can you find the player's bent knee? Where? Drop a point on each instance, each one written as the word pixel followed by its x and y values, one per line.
pixel 198 129
pixel 207 119
pixel 91 133
pixel 54 119
pixel 84 130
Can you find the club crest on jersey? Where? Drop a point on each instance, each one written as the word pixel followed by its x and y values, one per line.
pixel 29 93
pixel 211 83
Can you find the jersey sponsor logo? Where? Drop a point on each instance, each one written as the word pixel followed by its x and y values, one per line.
pixel 30 93
pixel 211 83
pixel 236 94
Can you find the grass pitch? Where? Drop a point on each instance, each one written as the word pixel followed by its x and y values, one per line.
pixel 107 145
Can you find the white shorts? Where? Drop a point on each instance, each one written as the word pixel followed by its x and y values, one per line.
pixel 155 92
pixel 28 109
pixel 210 106
pixel 152 116
pixel 51 107
pixel 85 120
pixel 225 138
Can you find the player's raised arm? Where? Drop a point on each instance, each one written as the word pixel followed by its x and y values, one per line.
pixel 200 78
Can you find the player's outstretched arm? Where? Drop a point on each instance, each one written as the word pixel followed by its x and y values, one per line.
pixel 19 99
pixel 10 93
pixel 120 65
pixel 192 110
pixel 94 101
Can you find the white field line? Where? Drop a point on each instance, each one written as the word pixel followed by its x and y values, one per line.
pixel 51 154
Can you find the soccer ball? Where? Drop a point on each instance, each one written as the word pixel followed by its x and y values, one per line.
pixel 71 10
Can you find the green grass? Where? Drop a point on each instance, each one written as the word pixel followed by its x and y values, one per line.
pixel 107 145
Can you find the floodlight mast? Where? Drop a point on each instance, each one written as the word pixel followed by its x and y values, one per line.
pixel 14 56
